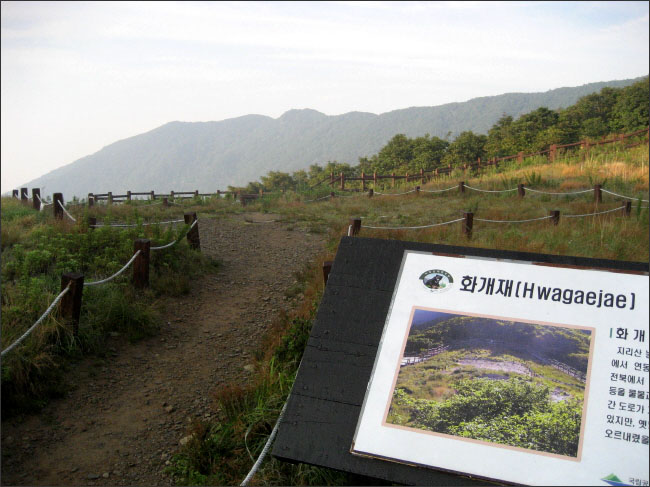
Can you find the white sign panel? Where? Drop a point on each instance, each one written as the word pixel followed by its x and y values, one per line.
pixel 533 374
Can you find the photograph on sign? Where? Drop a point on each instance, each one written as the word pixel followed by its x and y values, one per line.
pixel 502 382
pixel 512 371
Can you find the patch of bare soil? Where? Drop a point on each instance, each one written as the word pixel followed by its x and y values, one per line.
pixel 124 416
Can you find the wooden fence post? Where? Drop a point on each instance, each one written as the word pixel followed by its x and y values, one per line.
pixel 332 195
pixel 171 195
pixel 356 226
pixel 342 182
pixel 374 179
pixel 628 208
pixel 555 216
pixel 152 195
pixel 36 198
pixel 128 196
pixel 468 223
pixel 363 182
pixel 422 181
pixel 552 152
pixel 393 176
pixel 58 210
pixel 165 202
pixel 91 199
pixel 71 303
pixel 417 190
pixel 193 234
pixel 327 267
pixel 371 192
pixel 141 263
pixel 461 186
pixel 24 197
pixel 521 191
pixel 598 194
pixel 520 157
pixel 14 193
pixel 92 221
pixel 110 198
pixel 196 193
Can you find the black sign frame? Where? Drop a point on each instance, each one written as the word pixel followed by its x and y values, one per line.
pixel 324 406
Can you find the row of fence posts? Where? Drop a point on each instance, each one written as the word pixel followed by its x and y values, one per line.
pixel 244 198
pixel 551 154
pixel 70 306
pixel 467 224
pixel 23 195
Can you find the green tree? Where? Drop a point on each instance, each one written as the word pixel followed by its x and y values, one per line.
pixel 465 148
pixel 631 109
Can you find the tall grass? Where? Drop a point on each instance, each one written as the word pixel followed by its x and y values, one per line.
pixel 36 253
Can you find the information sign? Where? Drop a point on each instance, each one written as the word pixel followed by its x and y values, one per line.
pixel 533 374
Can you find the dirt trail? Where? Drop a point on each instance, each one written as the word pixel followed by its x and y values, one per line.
pixel 124 418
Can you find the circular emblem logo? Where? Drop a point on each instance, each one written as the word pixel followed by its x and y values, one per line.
pixel 437 281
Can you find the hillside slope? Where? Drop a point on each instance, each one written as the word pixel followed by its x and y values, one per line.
pixel 207 156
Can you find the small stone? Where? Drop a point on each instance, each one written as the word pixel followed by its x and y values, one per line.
pixel 249 368
pixel 168 462
pixel 92 476
pixel 185 440
pixel 105 475
pixel 169 409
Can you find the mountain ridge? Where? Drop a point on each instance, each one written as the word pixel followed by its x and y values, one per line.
pixel 211 155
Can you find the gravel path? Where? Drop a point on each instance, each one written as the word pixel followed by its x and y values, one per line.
pixel 124 417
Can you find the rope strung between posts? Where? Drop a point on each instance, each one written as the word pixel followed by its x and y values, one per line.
pixel 394 194
pixel 66 211
pixel 626 197
pixel 43 203
pixel 38 322
pixel 598 213
pixel 116 274
pixel 174 241
pixel 317 199
pixel 490 191
pixel 124 225
pixel 414 228
pixel 438 190
pixel 513 221
pixel 267 446
pixel 548 192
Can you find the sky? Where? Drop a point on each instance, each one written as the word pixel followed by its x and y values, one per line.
pixel 81 75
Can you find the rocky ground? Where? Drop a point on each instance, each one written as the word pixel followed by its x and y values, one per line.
pixel 124 417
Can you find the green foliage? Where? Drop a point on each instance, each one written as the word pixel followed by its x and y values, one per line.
pixel 32 265
pixel 512 412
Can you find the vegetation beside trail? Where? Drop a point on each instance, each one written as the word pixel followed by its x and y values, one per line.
pixel 36 251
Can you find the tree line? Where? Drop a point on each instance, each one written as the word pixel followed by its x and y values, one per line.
pixel 612 110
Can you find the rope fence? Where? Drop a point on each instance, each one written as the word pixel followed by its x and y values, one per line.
pixel 38 322
pixel 490 191
pixel 622 196
pixel 468 221
pixel 66 211
pixel 597 213
pixel 73 283
pixel 126 266
pixel 556 193
pixel 130 225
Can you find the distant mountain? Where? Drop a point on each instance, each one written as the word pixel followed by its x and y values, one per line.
pixel 207 156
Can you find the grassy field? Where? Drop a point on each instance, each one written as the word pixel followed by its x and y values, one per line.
pixel 32 246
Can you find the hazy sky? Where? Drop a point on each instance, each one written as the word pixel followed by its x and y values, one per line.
pixel 79 76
